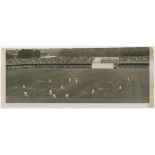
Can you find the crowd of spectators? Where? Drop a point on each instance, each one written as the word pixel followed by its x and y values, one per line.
pixel 54 60
pixel 109 61
pixel 134 59
pixel 75 60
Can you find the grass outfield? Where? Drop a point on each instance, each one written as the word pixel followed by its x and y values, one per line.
pixel 105 82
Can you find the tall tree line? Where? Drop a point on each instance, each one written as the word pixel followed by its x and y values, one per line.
pixel 24 53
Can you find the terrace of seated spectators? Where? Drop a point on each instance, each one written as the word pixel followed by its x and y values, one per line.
pixel 55 60
pixel 78 60
pixel 134 59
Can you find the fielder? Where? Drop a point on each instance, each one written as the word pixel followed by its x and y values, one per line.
pixel 24 86
pixel 26 94
pixel 62 87
pixel 67 96
pixel 93 91
pixel 54 96
pixel 120 88
pixel 76 80
pixel 70 80
pixel 49 81
pixel 50 92
pixel 128 79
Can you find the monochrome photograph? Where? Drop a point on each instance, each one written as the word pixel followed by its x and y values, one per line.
pixel 77 75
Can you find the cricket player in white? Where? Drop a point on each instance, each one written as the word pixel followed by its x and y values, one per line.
pixel 62 87
pixel 128 79
pixel 26 94
pixel 23 86
pixel 70 80
pixel 50 92
pixel 120 87
pixel 49 81
pixel 76 80
pixel 54 96
pixel 93 91
pixel 67 96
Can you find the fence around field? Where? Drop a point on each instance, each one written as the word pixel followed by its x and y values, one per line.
pixel 28 66
pixel 133 65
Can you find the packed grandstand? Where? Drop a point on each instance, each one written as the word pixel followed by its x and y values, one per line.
pixel 77 60
pixel 54 60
